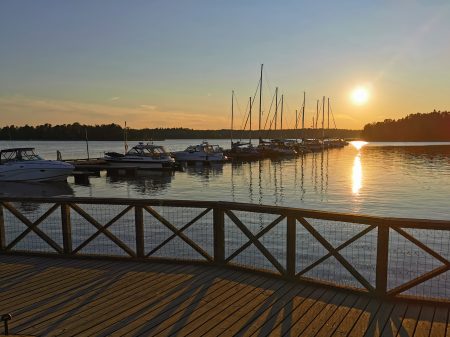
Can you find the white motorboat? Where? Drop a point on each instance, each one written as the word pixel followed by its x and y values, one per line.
pixel 142 157
pixel 203 152
pixel 23 164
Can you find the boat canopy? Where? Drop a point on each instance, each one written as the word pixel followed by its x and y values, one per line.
pixel 18 154
pixel 147 150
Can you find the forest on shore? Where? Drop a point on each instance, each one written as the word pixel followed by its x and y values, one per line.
pixel 430 127
pixel 111 132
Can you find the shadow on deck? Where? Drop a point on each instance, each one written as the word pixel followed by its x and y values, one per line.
pixel 50 296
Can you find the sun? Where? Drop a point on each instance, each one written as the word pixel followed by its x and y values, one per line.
pixel 360 95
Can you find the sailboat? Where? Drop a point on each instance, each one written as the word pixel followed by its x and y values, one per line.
pixel 242 150
pixel 278 147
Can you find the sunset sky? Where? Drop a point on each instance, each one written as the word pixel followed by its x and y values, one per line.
pixel 174 63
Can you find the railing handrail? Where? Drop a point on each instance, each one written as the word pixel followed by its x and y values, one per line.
pixel 223 210
pixel 248 207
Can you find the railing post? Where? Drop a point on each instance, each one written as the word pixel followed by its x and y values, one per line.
pixel 2 229
pixel 382 260
pixel 291 242
pixel 66 228
pixel 219 235
pixel 139 224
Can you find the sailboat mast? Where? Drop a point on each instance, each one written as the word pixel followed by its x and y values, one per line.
pixel 125 137
pixel 260 102
pixel 232 117
pixel 250 137
pixel 276 107
pixel 296 120
pixel 328 114
pixel 317 114
pixel 282 104
pixel 323 118
pixel 303 114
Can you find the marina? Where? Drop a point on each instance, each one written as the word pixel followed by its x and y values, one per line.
pixel 344 179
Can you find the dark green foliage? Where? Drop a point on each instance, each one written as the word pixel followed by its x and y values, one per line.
pixel 434 126
pixel 108 132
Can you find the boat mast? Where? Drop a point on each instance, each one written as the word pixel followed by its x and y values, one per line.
pixel 282 104
pixel 303 114
pixel 260 103
pixel 87 143
pixel 317 114
pixel 232 116
pixel 323 118
pixel 276 107
pixel 250 112
pixel 328 115
pixel 296 121
pixel 125 137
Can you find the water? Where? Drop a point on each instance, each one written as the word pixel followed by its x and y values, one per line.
pixel 387 179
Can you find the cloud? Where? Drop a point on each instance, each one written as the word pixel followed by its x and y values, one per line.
pixel 116 98
pixel 20 110
pixel 148 107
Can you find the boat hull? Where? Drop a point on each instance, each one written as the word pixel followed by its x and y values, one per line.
pixel 199 157
pixel 37 171
pixel 141 164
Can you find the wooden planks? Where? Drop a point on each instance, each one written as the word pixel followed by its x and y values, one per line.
pixel 70 297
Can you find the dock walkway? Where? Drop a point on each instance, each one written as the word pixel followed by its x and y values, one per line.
pixel 97 297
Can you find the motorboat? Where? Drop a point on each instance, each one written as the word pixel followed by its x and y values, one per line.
pixel 23 164
pixel 142 157
pixel 203 152
pixel 314 145
pixel 335 143
pixel 276 148
pixel 243 151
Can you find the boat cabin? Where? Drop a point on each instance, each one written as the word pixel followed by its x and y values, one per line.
pixel 204 147
pixel 147 150
pixel 18 154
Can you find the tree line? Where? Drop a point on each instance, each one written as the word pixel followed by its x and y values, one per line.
pixel 111 132
pixel 433 126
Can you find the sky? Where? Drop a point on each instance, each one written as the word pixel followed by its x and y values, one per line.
pixel 170 63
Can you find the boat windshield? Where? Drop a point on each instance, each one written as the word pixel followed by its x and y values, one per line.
pixel 147 151
pixel 18 155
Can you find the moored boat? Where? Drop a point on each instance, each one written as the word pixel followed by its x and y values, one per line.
pixel 244 151
pixel 142 157
pixel 203 152
pixel 23 164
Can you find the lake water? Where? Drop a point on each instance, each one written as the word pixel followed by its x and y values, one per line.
pixel 386 179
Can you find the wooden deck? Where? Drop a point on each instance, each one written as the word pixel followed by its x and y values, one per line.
pixel 68 297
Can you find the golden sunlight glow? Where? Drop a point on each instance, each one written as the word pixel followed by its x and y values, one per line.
pixel 360 95
pixel 358 144
pixel 357 175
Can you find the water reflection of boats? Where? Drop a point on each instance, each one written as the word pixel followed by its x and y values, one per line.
pixel 206 171
pixel 146 181
pixel 35 189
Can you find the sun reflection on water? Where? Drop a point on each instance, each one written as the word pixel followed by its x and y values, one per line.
pixel 358 144
pixel 357 167
pixel 357 174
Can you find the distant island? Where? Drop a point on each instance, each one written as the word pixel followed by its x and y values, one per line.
pixel 430 127
pixel 112 132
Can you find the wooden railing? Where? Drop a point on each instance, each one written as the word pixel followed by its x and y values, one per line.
pixel 297 234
